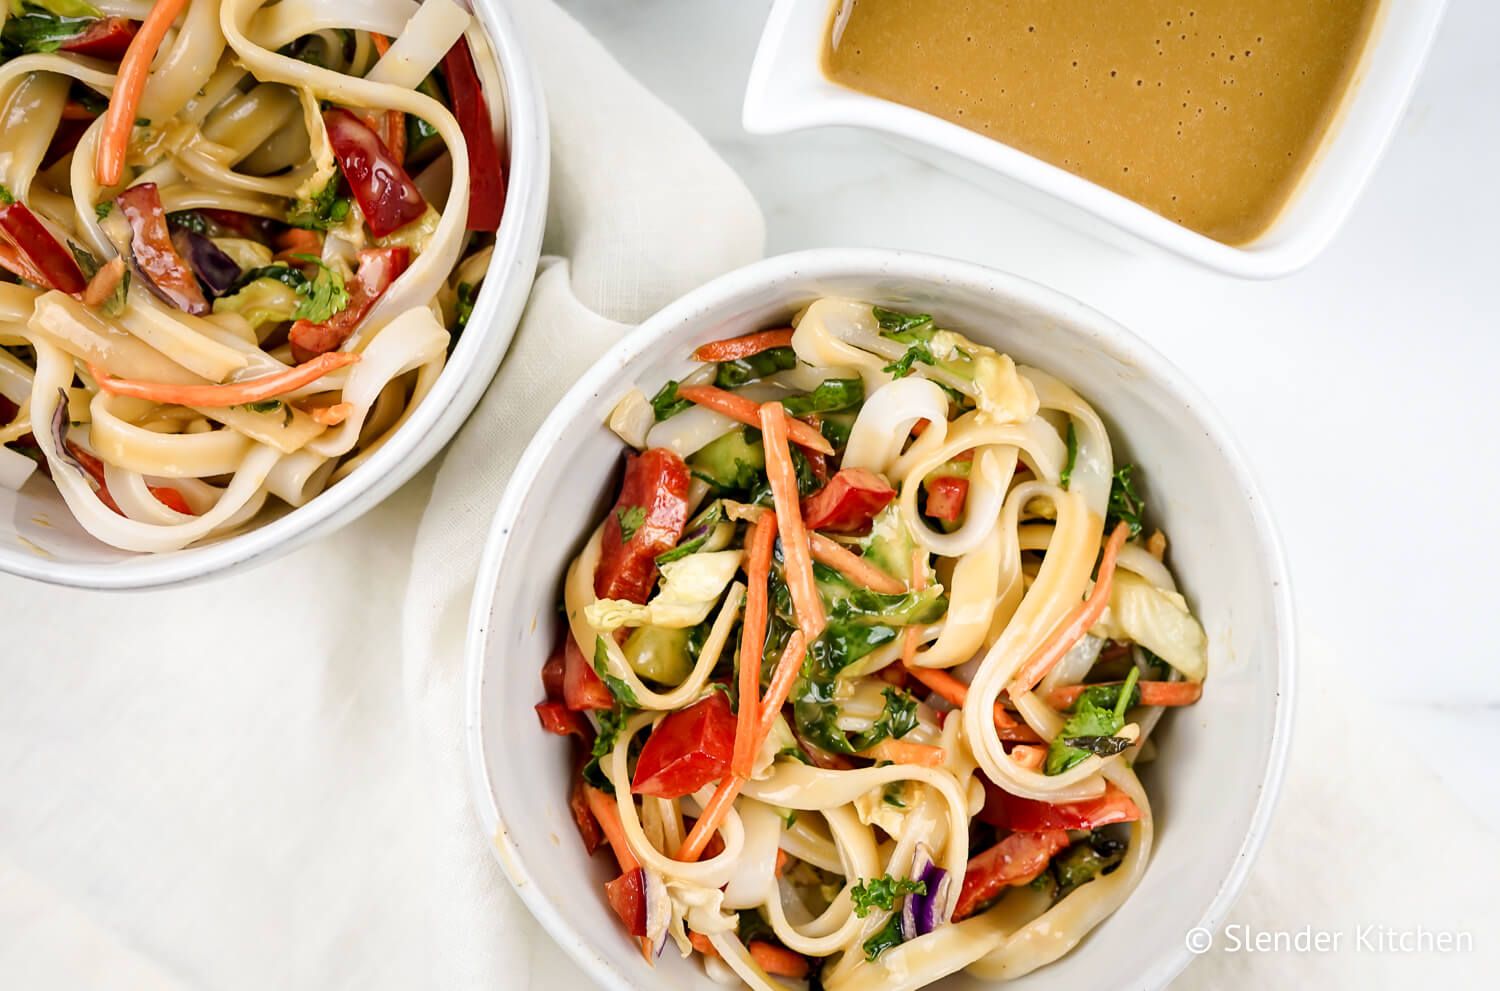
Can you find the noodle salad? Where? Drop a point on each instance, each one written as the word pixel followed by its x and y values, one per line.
pixel 240 237
pixel 861 662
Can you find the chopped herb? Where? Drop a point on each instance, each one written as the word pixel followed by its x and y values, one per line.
pixel 143 122
pixel 611 722
pixel 323 295
pixel 1067 472
pixel 881 892
pixel 101 210
pixel 893 322
pixel 901 367
pixel 703 525
pixel 795 753
pixel 1107 697
pixel 1084 861
pixel 889 936
pixel 264 406
pixel 830 396
pixel 733 374
pixel 617 687
pixel 1125 503
pixel 666 402
pixel 279 272
pixel 6 197
pixel 893 794
pixel 325 209
pixel 113 304
pixel 631 520
pixel 463 305
pixel 1092 729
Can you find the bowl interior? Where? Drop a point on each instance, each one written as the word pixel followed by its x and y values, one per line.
pixel 1218 761
pixel 39 537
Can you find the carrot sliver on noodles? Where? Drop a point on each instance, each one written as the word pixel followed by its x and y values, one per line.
pixel 956 693
pixel 780 688
pixel 795 549
pixel 1077 623
pixel 902 752
pixel 735 348
pixel 130 83
pixel 745 411
pixel 757 613
pixel 849 564
pixel 1165 693
pixel 230 394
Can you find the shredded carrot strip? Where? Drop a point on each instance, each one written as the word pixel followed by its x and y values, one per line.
pixel 230 394
pixel 918 583
pixel 956 693
pixel 747 412
pixel 782 859
pixel 734 348
pixel 1077 623
pixel 851 565
pixel 794 545
pixel 130 82
pixel 608 814
pixel 381 42
pixel 752 641
pixel 1152 693
pixel 780 688
pixel 712 818
pixel 778 961
pixel 331 416
pixel 104 282
pixel 902 752
pixel 702 944
pixel 1029 756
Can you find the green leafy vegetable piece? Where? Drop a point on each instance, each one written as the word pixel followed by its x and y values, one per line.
pixel 666 402
pixel 323 295
pixel 1084 861
pixel 918 351
pixel 703 524
pixel 6 196
pixel 894 794
pixel 631 519
pixel 829 397
pixel 836 428
pixel 895 322
pixel 325 209
pixel 1125 503
pixel 269 406
pixel 733 374
pixel 38 31
pixel 611 722
pixel 1106 697
pixel 463 305
pixel 1090 726
pixel 881 892
pixel 735 462
pixel 1067 472
pixel 101 210
pixel 622 692
pixel 889 936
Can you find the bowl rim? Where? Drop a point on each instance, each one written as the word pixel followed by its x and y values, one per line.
pixel 1284 248
pixel 871 262
pixel 432 425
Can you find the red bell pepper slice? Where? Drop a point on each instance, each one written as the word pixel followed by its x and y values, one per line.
pixel 106 38
pixel 647 520
pixel 486 170
pixel 1007 811
pixel 167 496
pixel 582 686
pixel 1017 859
pixel 687 750
pixel 385 193
pixel 557 719
pixel 155 257
pixel 627 896
pixel 589 829
pixel 552 674
pixel 945 498
pixel 378 268
pixel 37 256
pixel 847 504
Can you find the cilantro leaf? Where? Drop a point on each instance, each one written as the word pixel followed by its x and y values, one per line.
pixel 323 295
pixel 617 686
pixel 1092 729
pixel 325 209
pixel 895 322
pixel 631 520
pixel 1067 472
pixel 611 722
pixel 1125 503
pixel 830 396
pixel 666 403
pixel 888 937
pixel 101 210
pixel 918 351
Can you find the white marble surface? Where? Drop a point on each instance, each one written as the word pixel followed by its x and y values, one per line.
pixel 1363 389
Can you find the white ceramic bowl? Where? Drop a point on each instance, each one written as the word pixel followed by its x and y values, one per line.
pixel 1220 762
pixel 788 91
pixel 40 539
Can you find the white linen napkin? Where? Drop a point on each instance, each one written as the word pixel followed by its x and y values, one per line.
pixel 260 782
